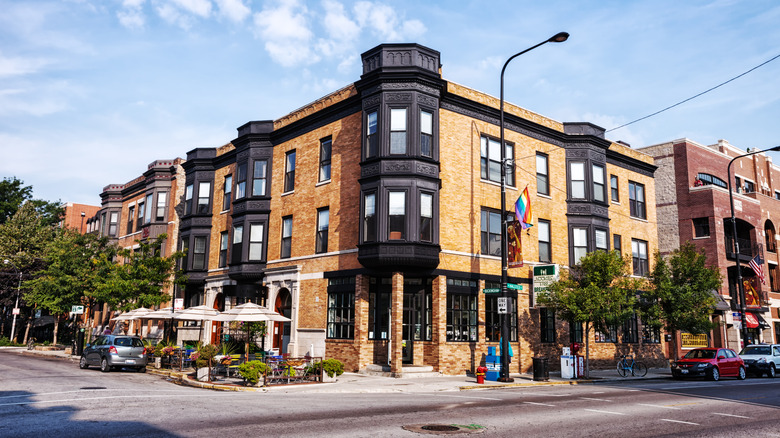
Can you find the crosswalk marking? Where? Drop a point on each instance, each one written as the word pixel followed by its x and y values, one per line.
pixel 658 406
pixel 730 415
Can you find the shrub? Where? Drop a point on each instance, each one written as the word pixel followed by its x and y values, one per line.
pixel 205 354
pixel 252 371
pixel 331 367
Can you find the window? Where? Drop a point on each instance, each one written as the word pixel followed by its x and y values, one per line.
pixel 162 202
pixel 577 176
pixel 738 185
pixel 493 319
pixel 323 220
pixel 701 227
pixel 259 176
pixel 185 248
pixel 256 232
pixel 636 200
pixel 708 179
pixel 545 246
pixel 187 201
pixel 341 308
pixel 613 185
pixel 639 252
pixel 130 218
pixel 372 141
pixel 204 193
pixel 148 212
pixel 398 131
pixel 750 187
pixel 769 235
pixel 199 253
pixel 286 237
pixel 223 249
pixel 379 294
pixel 609 336
pixel 426 134
pixel 575 332
pixel 461 316
pixel 580 243
pixel 228 190
pixel 369 217
pixel 113 222
pixel 396 225
pixel 238 239
pixel 141 208
pixel 630 330
pixel 426 217
pixel 601 240
pixel 651 335
pixel 490 159
pixel 617 243
pixel 542 174
pixel 241 181
pixel 547 325
pixel 490 223
pixel 289 172
pixel 325 152
pixel 599 192
pixel 773 278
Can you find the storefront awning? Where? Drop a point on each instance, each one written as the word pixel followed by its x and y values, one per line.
pixel 751 320
pixel 721 304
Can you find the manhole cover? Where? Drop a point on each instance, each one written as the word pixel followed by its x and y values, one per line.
pixel 93 387
pixel 444 429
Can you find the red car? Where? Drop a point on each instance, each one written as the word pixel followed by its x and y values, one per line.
pixel 710 362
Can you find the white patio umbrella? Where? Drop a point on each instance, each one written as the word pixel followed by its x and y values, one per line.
pixel 132 314
pixel 158 314
pixel 250 312
pixel 197 313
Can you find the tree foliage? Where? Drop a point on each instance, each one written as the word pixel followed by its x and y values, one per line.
pixel 681 294
pixel 14 194
pixel 598 292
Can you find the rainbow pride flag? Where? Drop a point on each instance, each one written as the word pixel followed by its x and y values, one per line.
pixel 523 211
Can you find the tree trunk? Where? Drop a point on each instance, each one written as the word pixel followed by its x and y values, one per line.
pixel 27 330
pixel 587 350
pixel 56 330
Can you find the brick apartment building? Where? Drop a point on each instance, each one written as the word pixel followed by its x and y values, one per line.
pixel 692 201
pixel 140 210
pixel 77 215
pixel 371 218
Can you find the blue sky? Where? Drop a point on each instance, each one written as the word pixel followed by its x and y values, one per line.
pixel 92 91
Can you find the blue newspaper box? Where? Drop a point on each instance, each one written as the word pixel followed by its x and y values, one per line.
pixel 493 365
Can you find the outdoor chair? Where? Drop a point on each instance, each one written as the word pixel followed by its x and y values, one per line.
pixel 234 363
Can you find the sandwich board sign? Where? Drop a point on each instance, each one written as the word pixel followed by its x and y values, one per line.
pixel 544 275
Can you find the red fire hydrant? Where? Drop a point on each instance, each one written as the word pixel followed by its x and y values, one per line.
pixel 481 375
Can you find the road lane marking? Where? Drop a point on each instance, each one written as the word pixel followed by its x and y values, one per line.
pixel 539 404
pixel 595 399
pixel 680 421
pixel 730 415
pixel 35 402
pixel 658 406
pixel 605 412
pixel 461 396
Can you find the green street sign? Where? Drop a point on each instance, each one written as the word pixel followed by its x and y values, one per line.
pixel 491 291
pixel 514 286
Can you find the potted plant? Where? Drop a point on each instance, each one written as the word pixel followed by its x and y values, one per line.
pixel 330 369
pixel 252 371
pixel 203 359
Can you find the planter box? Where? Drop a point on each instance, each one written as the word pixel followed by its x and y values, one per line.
pixel 203 374
pixel 158 362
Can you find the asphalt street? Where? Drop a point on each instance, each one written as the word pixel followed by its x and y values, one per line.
pixel 49 397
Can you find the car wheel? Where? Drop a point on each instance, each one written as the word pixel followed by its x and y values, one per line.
pixel 676 376
pixel 772 371
pixel 104 365
pixel 142 369
pixel 83 363
pixel 715 374
pixel 741 374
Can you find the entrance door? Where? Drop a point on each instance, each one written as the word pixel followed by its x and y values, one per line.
pixel 216 326
pixel 281 330
pixel 415 325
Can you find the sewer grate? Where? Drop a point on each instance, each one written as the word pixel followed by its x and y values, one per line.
pixel 444 429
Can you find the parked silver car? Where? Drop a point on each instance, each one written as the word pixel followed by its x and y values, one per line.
pixel 114 351
pixel 761 359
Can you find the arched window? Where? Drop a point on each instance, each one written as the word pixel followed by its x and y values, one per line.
pixel 769 232
pixel 708 179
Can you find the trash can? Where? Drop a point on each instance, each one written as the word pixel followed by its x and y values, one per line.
pixel 541 371
pixel 80 341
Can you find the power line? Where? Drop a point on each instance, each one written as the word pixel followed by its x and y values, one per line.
pixel 694 97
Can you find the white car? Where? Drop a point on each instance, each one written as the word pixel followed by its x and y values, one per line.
pixel 761 359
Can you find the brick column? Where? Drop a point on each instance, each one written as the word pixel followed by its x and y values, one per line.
pixel 363 346
pixel 439 320
pixel 396 323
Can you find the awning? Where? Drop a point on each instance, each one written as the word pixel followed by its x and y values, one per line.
pixel 720 304
pixel 751 320
pixel 762 322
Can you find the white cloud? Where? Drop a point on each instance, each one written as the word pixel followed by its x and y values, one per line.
pixel 19 66
pixel 233 10
pixel 131 15
pixel 384 22
pixel 183 13
pixel 286 32
pixel 337 24
pixel 201 8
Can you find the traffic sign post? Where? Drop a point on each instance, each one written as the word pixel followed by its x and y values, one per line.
pixel 78 310
pixel 491 291
pixel 502 305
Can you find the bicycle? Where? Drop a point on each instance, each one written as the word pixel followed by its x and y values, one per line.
pixel 627 364
pixel 30 343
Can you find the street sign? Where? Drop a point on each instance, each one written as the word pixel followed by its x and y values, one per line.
pixel 491 291
pixel 502 305
pixel 544 276
pixel 514 286
pixel 16 311
pixel 78 310
pixel 178 304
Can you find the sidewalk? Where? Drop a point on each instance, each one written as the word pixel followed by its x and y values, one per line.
pixel 360 383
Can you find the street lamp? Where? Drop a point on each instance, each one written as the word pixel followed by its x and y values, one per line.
pixel 18 289
pixel 740 286
pixel 504 375
pixel 81 230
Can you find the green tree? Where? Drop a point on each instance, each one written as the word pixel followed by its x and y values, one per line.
pixel 76 265
pixel 14 194
pixel 143 276
pixel 681 298
pixel 598 292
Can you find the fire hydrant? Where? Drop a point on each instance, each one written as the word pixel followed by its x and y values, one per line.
pixel 481 375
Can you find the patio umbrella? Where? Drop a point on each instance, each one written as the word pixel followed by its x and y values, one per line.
pixel 250 312
pixel 132 314
pixel 197 313
pixel 165 314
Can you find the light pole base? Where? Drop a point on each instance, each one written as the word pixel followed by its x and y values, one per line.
pixel 506 379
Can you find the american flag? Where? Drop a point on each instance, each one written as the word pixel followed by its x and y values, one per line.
pixel 757 265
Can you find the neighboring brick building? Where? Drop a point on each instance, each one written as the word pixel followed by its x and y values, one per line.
pixel 371 218
pixel 693 206
pixel 77 215
pixel 140 210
